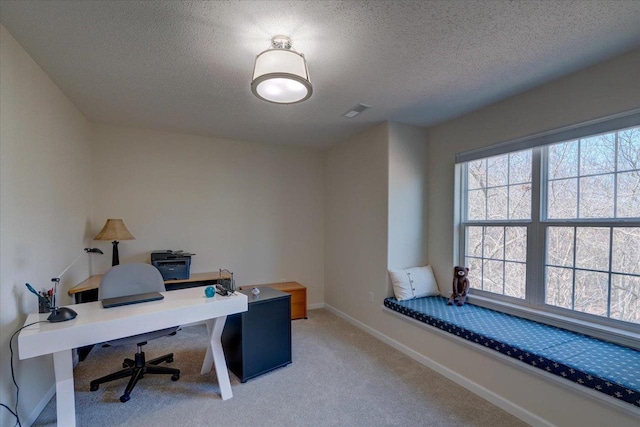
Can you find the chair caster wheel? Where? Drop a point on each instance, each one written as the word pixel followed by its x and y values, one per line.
pixel 175 377
pixel 94 387
pixel 124 398
pixel 169 360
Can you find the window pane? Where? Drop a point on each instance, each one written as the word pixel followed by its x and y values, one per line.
pixel 493 279
pixel 474 241
pixel 596 197
pixel 494 243
pixel 477 174
pixel 563 199
pixel 591 292
pixel 516 244
pixel 597 154
pixel 520 167
pixel 476 205
pixel 629 149
pixel 626 250
pixel 563 160
pixel 592 248
pixel 497 203
pixel 625 298
pixel 520 201
pixel 560 246
pixel 498 169
pixel 515 279
pixel 475 272
pixel 628 205
pixel 559 287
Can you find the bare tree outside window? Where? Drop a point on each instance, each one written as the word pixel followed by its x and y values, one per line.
pixel 590 216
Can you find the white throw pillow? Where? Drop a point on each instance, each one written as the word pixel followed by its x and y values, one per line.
pixel 414 282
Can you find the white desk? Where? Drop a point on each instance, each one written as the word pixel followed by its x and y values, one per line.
pixel 95 324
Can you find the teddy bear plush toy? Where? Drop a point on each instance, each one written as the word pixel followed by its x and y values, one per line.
pixel 460 286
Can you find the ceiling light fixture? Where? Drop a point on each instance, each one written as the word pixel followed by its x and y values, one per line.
pixel 280 74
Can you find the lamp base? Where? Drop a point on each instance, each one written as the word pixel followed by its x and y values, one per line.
pixel 61 314
pixel 115 258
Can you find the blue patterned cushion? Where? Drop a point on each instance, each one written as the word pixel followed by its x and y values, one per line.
pixel 609 368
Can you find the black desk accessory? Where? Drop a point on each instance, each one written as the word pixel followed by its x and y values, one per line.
pixel 61 314
pixel 228 284
pixel 44 303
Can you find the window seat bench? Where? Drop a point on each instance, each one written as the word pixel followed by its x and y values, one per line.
pixel 602 366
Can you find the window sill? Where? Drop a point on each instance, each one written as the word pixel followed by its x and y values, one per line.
pixel 607 333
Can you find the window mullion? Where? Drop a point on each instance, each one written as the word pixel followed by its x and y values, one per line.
pixel 610 269
pixel 536 232
pixel 615 176
pixel 461 250
pixel 573 268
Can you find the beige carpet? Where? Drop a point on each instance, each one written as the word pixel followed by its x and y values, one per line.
pixel 340 376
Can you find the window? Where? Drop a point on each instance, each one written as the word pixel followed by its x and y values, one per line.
pixel 556 226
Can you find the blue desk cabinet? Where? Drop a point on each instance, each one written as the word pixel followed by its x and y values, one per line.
pixel 259 340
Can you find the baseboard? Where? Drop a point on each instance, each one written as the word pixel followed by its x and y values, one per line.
pixel 504 404
pixel 37 410
pixel 315 306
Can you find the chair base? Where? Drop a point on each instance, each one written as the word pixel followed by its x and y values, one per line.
pixel 137 369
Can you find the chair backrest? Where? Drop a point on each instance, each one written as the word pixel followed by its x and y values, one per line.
pixel 130 279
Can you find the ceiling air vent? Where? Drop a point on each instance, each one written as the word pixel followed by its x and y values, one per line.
pixel 357 109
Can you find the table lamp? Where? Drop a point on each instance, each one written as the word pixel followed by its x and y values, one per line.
pixel 114 229
pixel 61 314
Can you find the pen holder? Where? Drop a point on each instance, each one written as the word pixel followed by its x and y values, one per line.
pixel 43 305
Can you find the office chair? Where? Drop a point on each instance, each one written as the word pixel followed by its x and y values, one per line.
pixel 131 279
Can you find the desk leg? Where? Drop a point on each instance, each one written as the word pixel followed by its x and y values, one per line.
pixel 215 356
pixel 65 401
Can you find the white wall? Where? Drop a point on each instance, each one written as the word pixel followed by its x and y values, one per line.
pixel 408 173
pixel 376 189
pixel 356 222
pixel 254 209
pixel 356 187
pixel 45 200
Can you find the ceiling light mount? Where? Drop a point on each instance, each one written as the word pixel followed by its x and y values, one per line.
pixel 280 74
pixel 280 42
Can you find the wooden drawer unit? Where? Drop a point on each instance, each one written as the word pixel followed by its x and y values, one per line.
pixel 298 296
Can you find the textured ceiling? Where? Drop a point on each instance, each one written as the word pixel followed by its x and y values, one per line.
pixel 186 65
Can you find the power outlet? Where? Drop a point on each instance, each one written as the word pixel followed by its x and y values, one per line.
pixel 371 297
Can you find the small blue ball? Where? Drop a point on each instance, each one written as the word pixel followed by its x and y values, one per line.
pixel 210 292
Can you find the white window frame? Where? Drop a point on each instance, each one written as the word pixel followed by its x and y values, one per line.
pixel 534 306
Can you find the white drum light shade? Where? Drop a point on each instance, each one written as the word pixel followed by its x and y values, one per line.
pixel 280 74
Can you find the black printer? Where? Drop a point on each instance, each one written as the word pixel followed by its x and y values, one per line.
pixel 173 265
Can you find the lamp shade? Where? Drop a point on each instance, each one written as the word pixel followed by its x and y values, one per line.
pixel 280 74
pixel 114 229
